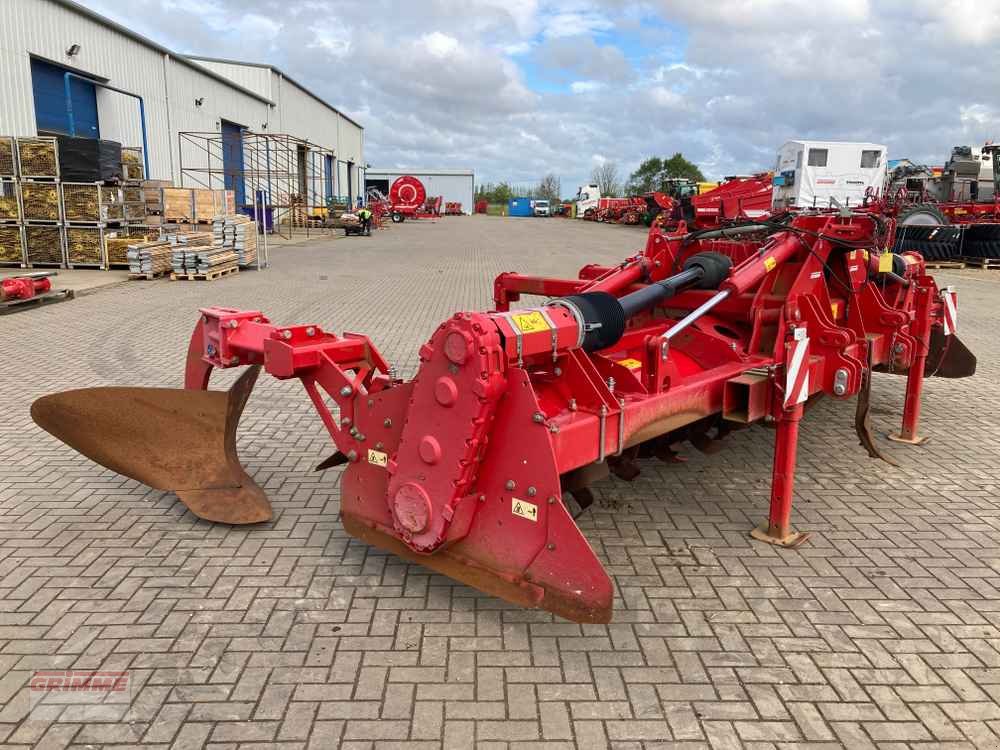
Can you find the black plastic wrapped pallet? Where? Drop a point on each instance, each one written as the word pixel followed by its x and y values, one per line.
pixel 89 160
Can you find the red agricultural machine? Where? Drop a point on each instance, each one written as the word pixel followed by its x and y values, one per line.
pixel 620 210
pixel 408 199
pixel 736 199
pixel 452 208
pixel 469 467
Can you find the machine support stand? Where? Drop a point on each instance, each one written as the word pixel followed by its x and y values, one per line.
pixel 915 385
pixel 777 529
pixel 911 407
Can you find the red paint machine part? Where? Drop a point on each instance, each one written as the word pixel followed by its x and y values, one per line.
pixel 468 468
pixel 24 287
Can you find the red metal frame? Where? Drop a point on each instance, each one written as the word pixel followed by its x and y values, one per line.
pixel 464 467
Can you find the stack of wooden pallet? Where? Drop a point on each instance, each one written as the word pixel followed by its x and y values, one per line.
pixel 184 246
pixel 149 259
pixel 116 244
pixel 214 261
pixel 238 233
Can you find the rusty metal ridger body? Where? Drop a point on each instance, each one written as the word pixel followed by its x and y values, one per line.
pixel 467 468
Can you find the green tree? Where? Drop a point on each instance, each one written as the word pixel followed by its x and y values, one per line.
pixel 678 166
pixel 654 172
pixel 646 178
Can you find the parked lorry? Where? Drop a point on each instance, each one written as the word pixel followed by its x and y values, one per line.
pixel 588 199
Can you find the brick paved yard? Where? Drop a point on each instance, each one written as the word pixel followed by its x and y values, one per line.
pixel 883 631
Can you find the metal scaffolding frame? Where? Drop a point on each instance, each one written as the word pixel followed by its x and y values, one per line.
pixel 290 171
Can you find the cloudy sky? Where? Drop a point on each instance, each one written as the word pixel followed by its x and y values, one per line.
pixel 515 89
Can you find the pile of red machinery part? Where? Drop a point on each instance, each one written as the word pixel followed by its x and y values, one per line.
pixel 472 467
pixel 452 208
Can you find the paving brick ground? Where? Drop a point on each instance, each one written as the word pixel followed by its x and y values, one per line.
pixel 881 632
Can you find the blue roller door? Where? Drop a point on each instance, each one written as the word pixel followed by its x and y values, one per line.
pixel 232 160
pixel 51 115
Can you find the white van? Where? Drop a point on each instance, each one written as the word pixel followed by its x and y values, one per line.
pixel 541 208
pixel 818 173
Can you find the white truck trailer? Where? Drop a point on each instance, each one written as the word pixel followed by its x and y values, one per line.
pixel 822 173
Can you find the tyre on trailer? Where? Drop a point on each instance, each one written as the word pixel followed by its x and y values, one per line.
pixel 921 214
pixel 397 218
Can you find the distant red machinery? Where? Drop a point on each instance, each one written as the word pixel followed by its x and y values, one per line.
pixel 482 206
pixel 611 210
pixel 407 191
pixel 736 199
pixel 911 207
pixel 408 200
pixel 452 208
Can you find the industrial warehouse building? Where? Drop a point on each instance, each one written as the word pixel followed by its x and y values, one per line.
pixel 453 185
pixel 199 119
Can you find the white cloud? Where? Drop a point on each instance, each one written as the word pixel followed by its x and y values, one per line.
pixel 514 90
pixel 575 23
pixel 665 97
pixel 440 45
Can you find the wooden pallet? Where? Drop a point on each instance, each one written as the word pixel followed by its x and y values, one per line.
pixel 149 276
pixel 210 276
pixel 17 305
pixel 987 263
pixel 944 264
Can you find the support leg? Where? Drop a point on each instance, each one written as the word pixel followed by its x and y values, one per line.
pixel 915 377
pixel 911 407
pixel 777 529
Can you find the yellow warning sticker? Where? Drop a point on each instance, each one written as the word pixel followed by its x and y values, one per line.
pixel 378 458
pixel 524 509
pixel 885 262
pixel 834 309
pixel 770 262
pixel 530 322
pixel 632 364
pixel 961 211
